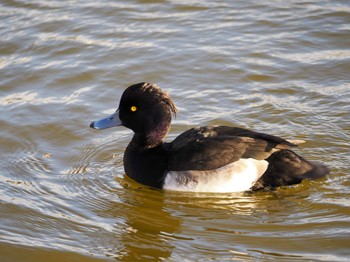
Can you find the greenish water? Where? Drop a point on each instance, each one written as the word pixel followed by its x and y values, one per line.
pixel 280 67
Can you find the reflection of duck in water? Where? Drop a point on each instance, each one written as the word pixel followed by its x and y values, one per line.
pixel 208 158
pixel 148 226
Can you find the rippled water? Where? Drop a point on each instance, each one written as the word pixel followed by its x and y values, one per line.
pixel 280 67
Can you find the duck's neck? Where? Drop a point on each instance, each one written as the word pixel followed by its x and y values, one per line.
pixel 151 138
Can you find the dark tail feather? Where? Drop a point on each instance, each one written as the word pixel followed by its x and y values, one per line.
pixel 287 168
pixel 318 170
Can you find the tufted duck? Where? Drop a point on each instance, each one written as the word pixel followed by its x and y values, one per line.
pixel 202 159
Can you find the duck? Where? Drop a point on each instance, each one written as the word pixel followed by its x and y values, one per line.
pixel 204 158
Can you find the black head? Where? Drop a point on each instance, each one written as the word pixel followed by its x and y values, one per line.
pixel 145 109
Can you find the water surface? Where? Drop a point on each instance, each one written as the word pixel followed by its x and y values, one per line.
pixel 280 67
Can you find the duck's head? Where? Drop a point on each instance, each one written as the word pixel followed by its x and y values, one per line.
pixel 145 109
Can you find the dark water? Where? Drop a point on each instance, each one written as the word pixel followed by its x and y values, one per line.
pixel 280 67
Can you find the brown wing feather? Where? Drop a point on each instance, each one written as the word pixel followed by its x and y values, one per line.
pixel 211 147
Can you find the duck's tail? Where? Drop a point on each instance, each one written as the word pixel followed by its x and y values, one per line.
pixel 287 168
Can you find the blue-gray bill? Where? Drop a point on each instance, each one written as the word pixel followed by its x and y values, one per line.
pixel 112 120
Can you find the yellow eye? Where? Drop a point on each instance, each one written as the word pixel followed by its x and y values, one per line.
pixel 133 108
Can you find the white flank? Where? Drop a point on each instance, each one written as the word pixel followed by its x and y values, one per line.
pixel 235 177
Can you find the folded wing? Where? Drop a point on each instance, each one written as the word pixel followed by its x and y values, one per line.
pixel 211 147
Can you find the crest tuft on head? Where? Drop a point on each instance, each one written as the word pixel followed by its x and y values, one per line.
pixel 158 94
